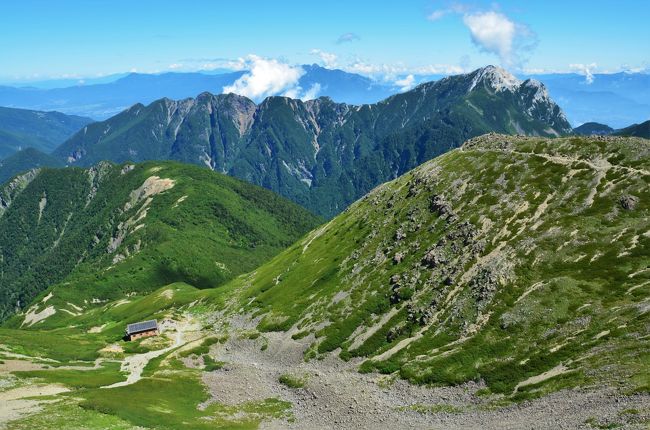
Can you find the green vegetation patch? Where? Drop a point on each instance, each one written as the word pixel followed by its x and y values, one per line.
pixel 66 414
pixel 293 380
pixel 440 408
pixel 109 373
pixel 172 403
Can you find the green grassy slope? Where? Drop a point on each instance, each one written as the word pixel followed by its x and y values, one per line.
pixel 170 392
pixel 112 230
pixel 499 261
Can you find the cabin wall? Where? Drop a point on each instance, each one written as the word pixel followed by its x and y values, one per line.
pixel 147 333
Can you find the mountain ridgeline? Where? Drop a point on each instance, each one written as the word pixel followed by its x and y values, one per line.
pixel 110 230
pixel 636 130
pixel 21 128
pixel 321 154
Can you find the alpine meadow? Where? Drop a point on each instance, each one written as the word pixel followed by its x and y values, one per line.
pixel 324 216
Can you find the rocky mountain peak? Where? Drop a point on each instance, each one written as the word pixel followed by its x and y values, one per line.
pixel 496 78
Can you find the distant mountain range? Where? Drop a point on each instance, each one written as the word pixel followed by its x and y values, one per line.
pixel 617 99
pixel 20 128
pixel 594 128
pixel 320 154
pixel 105 99
pixel 636 130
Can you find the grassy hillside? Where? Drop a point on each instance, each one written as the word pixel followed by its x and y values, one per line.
pixel 513 267
pixel 499 261
pixel 112 230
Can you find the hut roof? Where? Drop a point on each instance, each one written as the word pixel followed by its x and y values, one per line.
pixel 141 326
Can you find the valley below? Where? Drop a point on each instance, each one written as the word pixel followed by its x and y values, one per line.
pixel 263 381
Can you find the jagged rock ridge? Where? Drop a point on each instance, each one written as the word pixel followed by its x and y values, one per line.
pixel 321 154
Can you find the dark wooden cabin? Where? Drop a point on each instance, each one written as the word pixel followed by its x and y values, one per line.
pixel 142 329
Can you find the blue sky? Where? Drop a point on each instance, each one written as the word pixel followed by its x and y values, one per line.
pixel 47 39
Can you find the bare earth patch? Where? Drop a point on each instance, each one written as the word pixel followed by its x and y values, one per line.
pixel 337 396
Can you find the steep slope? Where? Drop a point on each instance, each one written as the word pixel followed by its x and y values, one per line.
pixel 20 128
pixel 593 128
pixel 636 130
pixel 313 152
pixel 500 261
pixel 25 160
pixel 111 230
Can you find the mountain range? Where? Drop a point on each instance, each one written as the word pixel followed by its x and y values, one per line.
pixel 105 99
pixel 594 128
pixel 320 154
pixel 618 99
pixel 636 130
pixel 44 131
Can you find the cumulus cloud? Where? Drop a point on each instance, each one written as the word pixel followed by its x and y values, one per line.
pixel 327 58
pixel 494 33
pixel 348 37
pixel 265 77
pixel 297 92
pixel 406 83
pixel 585 70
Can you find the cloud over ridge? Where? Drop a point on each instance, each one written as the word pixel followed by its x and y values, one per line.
pixel 266 77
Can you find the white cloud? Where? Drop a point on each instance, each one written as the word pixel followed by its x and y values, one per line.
pixel 297 93
pixel 175 66
pixel 437 14
pixel 454 8
pixel 327 58
pixel 586 70
pixel 389 72
pixel 406 83
pixel 312 92
pixel 265 77
pixel 492 32
pixel 347 37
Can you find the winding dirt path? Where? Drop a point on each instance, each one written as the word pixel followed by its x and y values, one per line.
pixel 135 364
